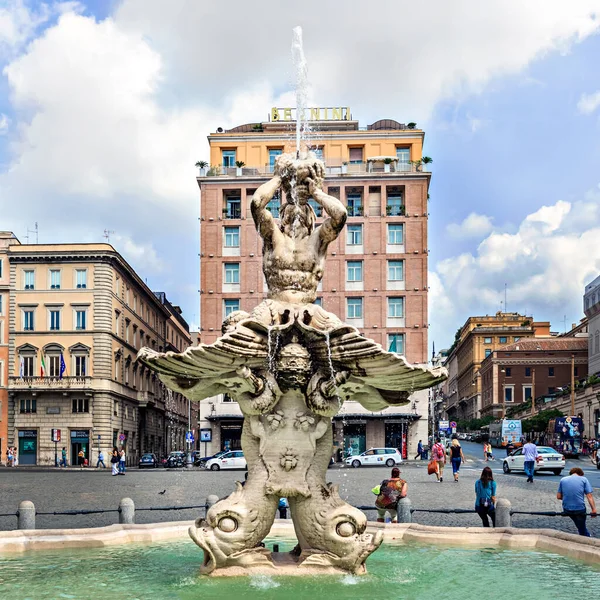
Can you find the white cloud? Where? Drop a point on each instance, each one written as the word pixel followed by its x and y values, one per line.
pixel 143 257
pixel 545 265
pixel 4 123
pixel 473 226
pixel 588 103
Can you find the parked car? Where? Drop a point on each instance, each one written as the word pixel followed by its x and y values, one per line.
pixel 176 459
pixel 148 461
pixel 376 457
pixel 229 460
pixel 201 461
pixel 551 461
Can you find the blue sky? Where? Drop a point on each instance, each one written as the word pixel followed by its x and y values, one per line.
pixel 105 107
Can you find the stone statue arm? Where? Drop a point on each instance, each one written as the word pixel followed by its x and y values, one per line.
pixel 332 226
pixel 262 217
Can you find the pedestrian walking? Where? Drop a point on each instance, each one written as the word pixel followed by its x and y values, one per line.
pixel 114 461
pixel 63 457
pixel 9 457
pixel 15 458
pixel 438 453
pixel 531 454
pixel 100 460
pixel 122 462
pixel 282 508
pixel 419 450
pixel 390 491
pixel 81 457
pixel 573 490
pixel 456 457
pixel 485 497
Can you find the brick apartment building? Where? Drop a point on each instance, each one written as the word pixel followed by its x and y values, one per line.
pixel 376 271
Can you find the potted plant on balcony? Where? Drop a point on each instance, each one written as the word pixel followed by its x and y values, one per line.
pixel 387 161
pixel 417 164
pixel 427 160
pixel 344 168
pixel 239 165
pixel 202 164
pixel 411 125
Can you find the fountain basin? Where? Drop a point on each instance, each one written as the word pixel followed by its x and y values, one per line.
pixel 462 563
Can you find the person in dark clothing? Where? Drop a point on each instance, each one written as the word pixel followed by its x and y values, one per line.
pixel 485 497
pixel 456 457
pixel 419 450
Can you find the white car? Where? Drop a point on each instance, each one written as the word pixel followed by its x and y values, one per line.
pixel 551 461
pixel 376 457
pixel 230 460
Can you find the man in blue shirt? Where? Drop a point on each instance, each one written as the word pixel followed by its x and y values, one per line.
pixel 573 490
pixel 530 452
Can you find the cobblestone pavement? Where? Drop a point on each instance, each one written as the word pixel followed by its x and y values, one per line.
pixel 74 489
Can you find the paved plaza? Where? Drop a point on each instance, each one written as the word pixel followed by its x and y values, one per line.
pixel 74 489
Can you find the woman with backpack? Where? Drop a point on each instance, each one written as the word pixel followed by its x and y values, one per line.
pixel 390 491
pixel 485 497
pixel 438 454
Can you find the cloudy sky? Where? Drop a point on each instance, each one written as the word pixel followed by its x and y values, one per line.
pixel 105 107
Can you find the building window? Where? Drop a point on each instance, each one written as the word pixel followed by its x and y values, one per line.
pixel 354 205
pixel 395 234
pixel 28 321
pixel 354 270
pixel 509 393
pixel 27 366
pixel 394 206
pixel 355 308
pixel 527 371
pixel 516 339
pixel 395 270
pixel 53 365
pixel 487 340
pixel 1 308
pixel 127 323
pixel 502 340
pixel 115 413
pixel 233 207
pixel 273 154
pixel 488 351
pixel 396 307
pixel 318 301
pixel 508 372
pixel 228 158
pixel 28 406
pixel 550 371
pixel 316 207
pixel 135 303
pixel 81 405
pixel 80 366
pixel 527 393
pixel 231 305
pixel 356 155
pixel 54 279
pixel 396 343
pixel 576 371
pixel 81 278
pixel 232 272
pixel 1 268
pixel 29 280
pixel 117 315
pixel 80 318
pixel 354 235
pixel 54 320
pixel 274 206
pixel 403 155
pixel 318 152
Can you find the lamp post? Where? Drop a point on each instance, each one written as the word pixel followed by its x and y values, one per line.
pixel 589 405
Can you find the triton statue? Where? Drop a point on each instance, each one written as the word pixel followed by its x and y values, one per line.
pixel 290 365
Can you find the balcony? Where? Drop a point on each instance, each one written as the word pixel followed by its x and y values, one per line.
pixel 333 168
pixel 49 383
pixel 232 213
pixel 394 210
pixel 355 211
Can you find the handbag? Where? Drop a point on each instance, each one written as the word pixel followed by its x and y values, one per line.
pixel 432 467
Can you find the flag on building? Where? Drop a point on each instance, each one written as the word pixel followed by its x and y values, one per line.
pixel 22 368
pixel 43 367
pixel 63 367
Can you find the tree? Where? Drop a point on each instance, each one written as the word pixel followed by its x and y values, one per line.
pixel 539 422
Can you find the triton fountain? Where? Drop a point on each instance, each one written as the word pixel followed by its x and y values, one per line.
pixel 290 365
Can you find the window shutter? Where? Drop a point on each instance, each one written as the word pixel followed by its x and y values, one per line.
pixel 356 154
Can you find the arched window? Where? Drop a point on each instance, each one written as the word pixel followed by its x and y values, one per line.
pixel 27 360
pixel 51 360
pixel 80 360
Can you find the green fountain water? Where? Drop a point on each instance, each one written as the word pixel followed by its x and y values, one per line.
pixel 168 571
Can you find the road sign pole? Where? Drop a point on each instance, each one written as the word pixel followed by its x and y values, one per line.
pixel 56 454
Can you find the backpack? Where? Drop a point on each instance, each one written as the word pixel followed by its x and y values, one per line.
pixel 389 493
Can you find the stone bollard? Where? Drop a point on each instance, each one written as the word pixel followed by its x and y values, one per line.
pixel 503 518
pixel 126 512
pixel 26 515
pixel 404 514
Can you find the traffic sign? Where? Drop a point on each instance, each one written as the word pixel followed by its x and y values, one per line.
pixel 121 437
pixel 189 437
pixel 453 424
pixel 56 435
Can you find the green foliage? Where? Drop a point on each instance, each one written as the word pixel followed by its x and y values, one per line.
pixel 214 170
pixel 411 125
pixel 427 160
pixel 240 163
pixel 201 164
pixel 539 421
pixel 456 340
pixel 473 424
pixel 388 160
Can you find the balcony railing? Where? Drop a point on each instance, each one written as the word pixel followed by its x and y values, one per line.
pixel 333 168
pixel 49 383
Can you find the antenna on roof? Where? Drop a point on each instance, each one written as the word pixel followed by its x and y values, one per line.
pixel 35 230
pixel 107 235
pixel 505 307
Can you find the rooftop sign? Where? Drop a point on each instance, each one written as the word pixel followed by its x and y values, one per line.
pixel 338 113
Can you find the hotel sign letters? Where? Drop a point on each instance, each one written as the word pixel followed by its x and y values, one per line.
pixel 339 113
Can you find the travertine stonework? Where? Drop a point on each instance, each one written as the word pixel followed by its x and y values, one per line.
pixel 290 365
